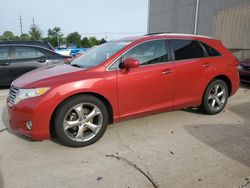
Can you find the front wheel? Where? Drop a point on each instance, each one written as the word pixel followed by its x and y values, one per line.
pixel 215 97
pixel 81 121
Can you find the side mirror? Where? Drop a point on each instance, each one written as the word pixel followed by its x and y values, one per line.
pixel 130 63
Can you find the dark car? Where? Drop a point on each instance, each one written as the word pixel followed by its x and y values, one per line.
pixel 244 71
pixel 30 42
pixel 17 59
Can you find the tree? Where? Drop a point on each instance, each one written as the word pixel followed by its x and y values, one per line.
pixel 85 42
pixel 35 32
pixel 102 41
pixel 24 36
pixel 75 38
pixel 7 35
pixel 55 36
pixel 93 41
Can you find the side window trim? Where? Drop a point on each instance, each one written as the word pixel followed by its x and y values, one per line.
pixel 169 50
pixel 204 49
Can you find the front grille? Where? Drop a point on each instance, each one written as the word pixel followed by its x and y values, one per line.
pixel 12 94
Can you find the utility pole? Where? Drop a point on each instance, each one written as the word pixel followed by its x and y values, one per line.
pixel 196 16
pixel 106 36
pixel 33 22
pixel 21 24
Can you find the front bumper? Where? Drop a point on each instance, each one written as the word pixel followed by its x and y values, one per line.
pixel 33 110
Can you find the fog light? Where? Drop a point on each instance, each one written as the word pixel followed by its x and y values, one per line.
pixel 29 124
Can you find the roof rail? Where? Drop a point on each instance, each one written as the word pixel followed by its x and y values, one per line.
pixel 177 34
pixel 157 33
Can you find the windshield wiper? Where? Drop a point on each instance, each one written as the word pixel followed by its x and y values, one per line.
pixel 76 65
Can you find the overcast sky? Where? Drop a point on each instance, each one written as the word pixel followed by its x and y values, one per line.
pixel 91 17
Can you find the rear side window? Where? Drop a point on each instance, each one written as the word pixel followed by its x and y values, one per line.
pixel 26 52
pixel 211 51
pixel 187 49
pixel 4 53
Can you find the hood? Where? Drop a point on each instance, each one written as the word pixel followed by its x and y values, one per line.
pixel 245 63
pixel 45 74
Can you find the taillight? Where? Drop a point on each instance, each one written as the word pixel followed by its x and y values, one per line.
pixel 236 61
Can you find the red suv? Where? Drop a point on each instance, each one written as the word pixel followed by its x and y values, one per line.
pixel 122 79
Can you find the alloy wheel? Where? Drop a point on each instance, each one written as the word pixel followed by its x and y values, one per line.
pixel 82 122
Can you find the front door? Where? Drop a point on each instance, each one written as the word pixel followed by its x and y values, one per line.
pixel 25 59
pixel 150 86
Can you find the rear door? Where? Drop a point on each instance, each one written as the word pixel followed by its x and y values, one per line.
pixel 5 58
pixel 26 59
pixel 190 69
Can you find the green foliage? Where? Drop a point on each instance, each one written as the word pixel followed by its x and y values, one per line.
pixel 35 33
pixel 102 41
pixel 93 41
pixel 24 37
pixel 7 35
pixel 85 42
pixel 75 38
pixel 54 37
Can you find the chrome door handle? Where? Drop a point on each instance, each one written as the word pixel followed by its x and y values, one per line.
pixel 167 72
pixel 206 65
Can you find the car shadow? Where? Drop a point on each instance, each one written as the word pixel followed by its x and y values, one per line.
pixel 232 140
pixel 245 86
pixel 4 87
pixel 193 110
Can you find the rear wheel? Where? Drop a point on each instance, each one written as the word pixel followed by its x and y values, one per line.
pixel 81 121
pixel 215 97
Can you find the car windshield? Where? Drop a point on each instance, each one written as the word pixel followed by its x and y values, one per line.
pixel 98 54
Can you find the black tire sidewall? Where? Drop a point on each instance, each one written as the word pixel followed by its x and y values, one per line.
pixel 205 106
pixel 68 104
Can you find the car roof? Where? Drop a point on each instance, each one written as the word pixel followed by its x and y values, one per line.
pixel 29 42
pixel 26 45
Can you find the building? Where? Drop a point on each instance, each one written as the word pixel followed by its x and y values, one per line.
pixel 227 20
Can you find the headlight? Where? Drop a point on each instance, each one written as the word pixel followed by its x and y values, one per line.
pixel 240 67
pixel 29 93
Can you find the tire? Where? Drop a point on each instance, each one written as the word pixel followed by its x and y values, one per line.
pixel 81 121
pixel 215 97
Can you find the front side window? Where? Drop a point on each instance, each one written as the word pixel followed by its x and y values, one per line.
pixel 26 52
pixel 148 53
pixel 4 53
pixel 187 49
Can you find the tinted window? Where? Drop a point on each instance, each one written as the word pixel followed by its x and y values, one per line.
pixel 149 52
pixel 26 52
pixel 4 53
pixel 210 50
pixel 187 49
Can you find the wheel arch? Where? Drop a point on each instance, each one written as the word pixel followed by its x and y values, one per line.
pixel 101 97
pixel 226 79
pixel 221 77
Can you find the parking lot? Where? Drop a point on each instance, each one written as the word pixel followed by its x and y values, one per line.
pixel 175 149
